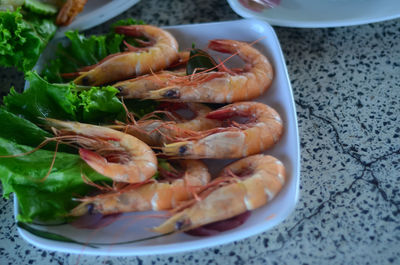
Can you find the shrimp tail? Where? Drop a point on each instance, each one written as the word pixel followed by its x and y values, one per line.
pixel 223 46
pixel 131 31
pixel 93 159
pixel 221 114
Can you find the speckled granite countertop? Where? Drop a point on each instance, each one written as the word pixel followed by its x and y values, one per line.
pixel 346 84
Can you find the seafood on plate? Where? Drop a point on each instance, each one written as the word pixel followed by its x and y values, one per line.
pixel 174 186
pixel 155 131
pixel 261 128
pixel 140 86
pixel 114 154
pixel 69 11
pixel 225 86
pixel 244 185
pixel 159 52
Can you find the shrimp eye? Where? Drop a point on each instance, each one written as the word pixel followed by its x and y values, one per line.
pixel 121 90
pixel 178 225
pixel 85 81
pixel 182 224
pixel 182 149
pixel 171 94
pixel 90 208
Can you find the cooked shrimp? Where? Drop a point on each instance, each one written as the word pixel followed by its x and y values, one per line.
pixel 156 195
pixel 69 11
pixel 156 132
pixel 254 181
pixel 137 61
pixel 111 153
pixel 223 87
pixel 140 86
pixel 261 130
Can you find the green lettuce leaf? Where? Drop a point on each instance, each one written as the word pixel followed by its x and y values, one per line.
pixel 100 104
pixel 21 131
pixel 23 36
pixel 24 132
pixel 199 59
pixel 83 51
pixel 64 101
pixel 50 199
pixel 42 100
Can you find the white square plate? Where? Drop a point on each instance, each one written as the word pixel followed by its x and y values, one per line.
pixel 279 96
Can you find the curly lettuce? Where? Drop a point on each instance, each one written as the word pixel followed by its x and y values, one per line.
pixel 64 101
pixel 23 36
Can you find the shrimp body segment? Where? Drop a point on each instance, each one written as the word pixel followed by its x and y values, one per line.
pixel 111 153
pixel 224 87
pixel 259 179
pixel 156 195
pixel 261 131
pixel 161 54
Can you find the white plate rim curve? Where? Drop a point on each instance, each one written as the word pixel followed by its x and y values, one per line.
pixel 91 18
pixel 296 23
pixel 290 190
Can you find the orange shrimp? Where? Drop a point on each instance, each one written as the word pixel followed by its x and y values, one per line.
pixel 156 132
pixel 223 87
pixel 138 87
pixel 261 130
pixel 138 61
pixel 156 195
pixel 254 181
pixel 69 11
pixel 111 153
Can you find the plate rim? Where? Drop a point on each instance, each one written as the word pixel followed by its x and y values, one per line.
pixel 241 11
pixel 96 17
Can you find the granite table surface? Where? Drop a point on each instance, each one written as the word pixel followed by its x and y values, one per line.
pixel 346 85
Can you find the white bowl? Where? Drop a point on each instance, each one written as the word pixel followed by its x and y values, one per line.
pixel 95 13
pixel 279 96
pixel 323 14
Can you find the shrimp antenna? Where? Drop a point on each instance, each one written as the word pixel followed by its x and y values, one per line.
pixel 52 163
pixel 231 56
pixel 31 151
pixel 130 116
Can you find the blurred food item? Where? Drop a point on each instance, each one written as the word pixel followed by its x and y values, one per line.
pixel 69 11
pixel 42 8
pixel 259 5
pixel 10 5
